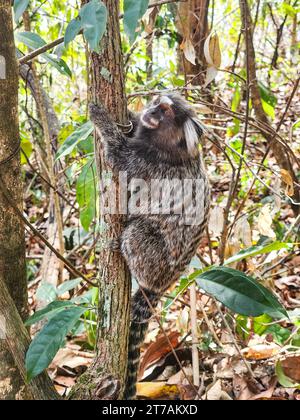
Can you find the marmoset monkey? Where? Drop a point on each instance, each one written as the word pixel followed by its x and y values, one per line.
pixel 158 246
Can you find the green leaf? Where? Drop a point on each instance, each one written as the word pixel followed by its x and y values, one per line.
pixel 19 8
pixel 267 95
pixel 72 30
pixel 240 293
pixel 269 109
pixel 31 40
pixel 87 195
pixel 82 133
pixel 93 22
pixel 34 42
pixel 67 286
pixel 26 146
pixel 49 311
pixel 47 343
pixel 257 250
pixel 46 292
pixel 134 10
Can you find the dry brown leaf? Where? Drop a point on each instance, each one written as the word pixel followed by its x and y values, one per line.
pixel 158 350
pixel 211 74
pixel 265 221
pixel 288 180
pixel 268 394
pixel 291 367
pixel 189 50
pixel 155 390
pixel 261 351
pixel 216 393
pixel 212 51
pixel 216 221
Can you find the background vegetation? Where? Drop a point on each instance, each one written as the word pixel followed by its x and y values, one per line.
pixel 238 63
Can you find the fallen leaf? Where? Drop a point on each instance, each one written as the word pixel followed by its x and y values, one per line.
pixel 291 367
pixel 157 350
pixel 265 221
pixel 261 351
pixel 216 220
pixel 216 393
pixel 155 390
pixel 288 180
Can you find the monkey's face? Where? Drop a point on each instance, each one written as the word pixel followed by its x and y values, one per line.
pixel 159 114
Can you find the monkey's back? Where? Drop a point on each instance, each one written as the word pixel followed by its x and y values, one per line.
pixel 159 246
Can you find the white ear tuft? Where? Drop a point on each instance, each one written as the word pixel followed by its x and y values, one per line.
pixel 192 133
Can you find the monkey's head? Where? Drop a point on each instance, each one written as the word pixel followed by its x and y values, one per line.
pixel 172 119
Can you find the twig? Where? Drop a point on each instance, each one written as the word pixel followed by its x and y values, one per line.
pixel 39 51
pixel 70 267
pixel 195 354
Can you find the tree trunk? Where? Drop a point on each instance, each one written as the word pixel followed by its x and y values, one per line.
pixel 106 378
pixel 12 239
pixel 193 25
pixel 15 337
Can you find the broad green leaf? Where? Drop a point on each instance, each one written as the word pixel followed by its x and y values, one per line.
pixel 82 133
pixel 257 250
pixel 134 10
pixel 34 42
pixel 72 30
pixel 86 192
pixel 67 286
pixel 46 344
pixel 19 8
pixel 93 22
pixel 30 39
pixel 240 293
pixel 49 311
pixel 269 100
pixel 46 292
pixel 269 109
pixel 26 146
pixel 290 10
pixel 267 95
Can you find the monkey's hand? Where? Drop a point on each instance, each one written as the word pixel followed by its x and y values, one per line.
pixel 113 139
pixel 99 115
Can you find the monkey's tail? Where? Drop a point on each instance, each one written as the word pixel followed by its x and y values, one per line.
pixel 141 313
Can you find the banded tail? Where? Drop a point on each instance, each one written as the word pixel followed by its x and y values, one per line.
pixel 141 314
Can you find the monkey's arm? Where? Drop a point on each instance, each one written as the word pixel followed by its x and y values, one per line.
pixel 115 143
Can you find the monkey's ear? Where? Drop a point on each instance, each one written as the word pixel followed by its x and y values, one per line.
pixel 192 132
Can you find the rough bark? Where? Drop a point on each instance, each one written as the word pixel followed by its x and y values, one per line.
pixel 15 338
pixel 106 378
pixel 280 153
pixel 193 24
pixel 12 239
